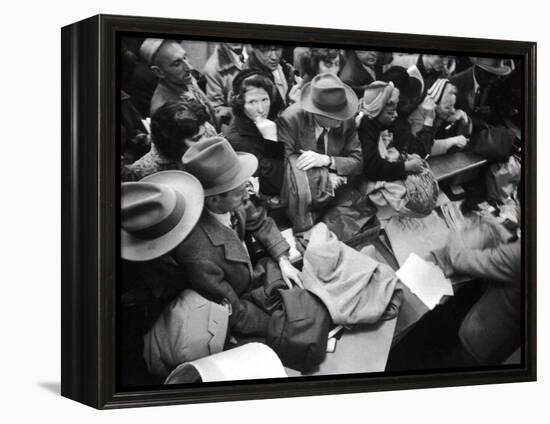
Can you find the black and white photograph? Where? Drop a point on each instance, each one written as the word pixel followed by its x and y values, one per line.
pixel 294 211
pixel 235 212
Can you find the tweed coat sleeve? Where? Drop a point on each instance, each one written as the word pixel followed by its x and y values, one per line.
pixel 502 263
pixel 288 132
pixel 215 88
pixel 207 278
pixel 350 160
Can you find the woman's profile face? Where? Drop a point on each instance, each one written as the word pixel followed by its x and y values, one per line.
pixel 446 106
pixel 256 103
pixel 332 66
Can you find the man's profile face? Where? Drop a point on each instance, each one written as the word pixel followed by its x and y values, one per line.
pixel 233 200
pixel 327 122
pixel 172 64
pixel 269 56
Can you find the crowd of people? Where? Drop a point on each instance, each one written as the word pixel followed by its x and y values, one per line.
pixel 209 159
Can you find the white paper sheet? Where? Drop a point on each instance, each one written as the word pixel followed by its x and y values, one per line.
pixel 425 279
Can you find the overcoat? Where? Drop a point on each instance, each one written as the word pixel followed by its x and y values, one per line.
pixel 217 264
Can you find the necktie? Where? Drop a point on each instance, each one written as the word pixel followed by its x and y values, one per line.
pixel 477 97
pixel 321 142
pixel 234 222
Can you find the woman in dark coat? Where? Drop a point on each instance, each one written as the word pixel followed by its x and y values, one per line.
pixel 379 108
pixel 251 131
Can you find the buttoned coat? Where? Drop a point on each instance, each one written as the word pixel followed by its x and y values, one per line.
pixel 217 264
pixel 296 128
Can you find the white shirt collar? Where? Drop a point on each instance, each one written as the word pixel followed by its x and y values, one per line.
pixel 223 218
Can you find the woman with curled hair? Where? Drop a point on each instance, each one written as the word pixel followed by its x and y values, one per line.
pixel 175 126
pixel 252 131
pixel 316 61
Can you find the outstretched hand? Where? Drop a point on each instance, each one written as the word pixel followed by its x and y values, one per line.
pixel 290 274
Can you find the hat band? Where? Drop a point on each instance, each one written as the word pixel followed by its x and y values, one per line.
pixel 166 225
pixel 331 107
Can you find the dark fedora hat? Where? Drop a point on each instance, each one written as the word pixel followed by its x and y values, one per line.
pixel 327 95
pixel 158 213
pixel 217 166
pixel 492 65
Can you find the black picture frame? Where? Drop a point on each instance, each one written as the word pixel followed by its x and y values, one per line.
pixel 90 203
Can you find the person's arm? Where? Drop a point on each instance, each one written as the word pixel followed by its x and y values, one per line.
pixel 350 160
pixel 287 132
pixel 374 167
pixel 502 263
pixel 265 231
pixel 419 143
pixel 207 278
pixel 442 146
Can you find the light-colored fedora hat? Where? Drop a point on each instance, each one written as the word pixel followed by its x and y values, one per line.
pixel 158 213
pixel 328 96
pixel 492 65
pixel 217 166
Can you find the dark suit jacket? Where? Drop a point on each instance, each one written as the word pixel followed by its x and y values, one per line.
pixel 296 128
pixel 217 265
pixel 464 82
pixel 489 111
pixel 356 76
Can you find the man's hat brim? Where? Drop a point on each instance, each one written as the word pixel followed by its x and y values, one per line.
pixel 500 71
pixel 137 249
pixel 347 112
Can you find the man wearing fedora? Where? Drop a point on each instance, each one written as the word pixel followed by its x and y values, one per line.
pixel 321 128
pixel 168 61
pixel 157 214
pixel 477 88
pixel 214 256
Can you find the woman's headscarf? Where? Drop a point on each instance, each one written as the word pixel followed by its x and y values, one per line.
pixel 376 97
